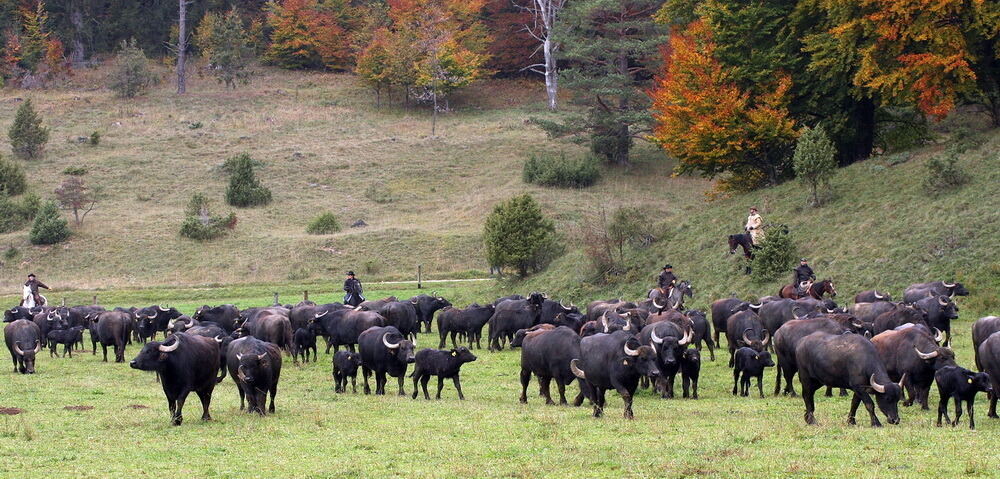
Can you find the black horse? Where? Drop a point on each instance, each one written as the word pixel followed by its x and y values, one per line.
pixel 746 242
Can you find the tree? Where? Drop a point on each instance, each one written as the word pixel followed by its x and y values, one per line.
pixel 518 235
pixel 374 64
pixel 545 14
pixel 49 227
pixel 512 48
pixel 775 256
pixel 814 159
pixel 226 43
pixel 33 37
pixel 711 126
pixel 130 76
pixel 244 190
pixel 27 135
pixel 446 67
pixel 74 195
pixel 12 179
pixel 307 34
pixel 612 46
pixel 182 45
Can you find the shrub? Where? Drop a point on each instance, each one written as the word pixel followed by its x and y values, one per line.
pixel 605 242
pixel 95 138
pixel 15 215
pixel 551 170
pixel 12 179
pixel 75 170
pixel 131 75
pixel 244 190
pixel 49 227
pixel 10 253
pixel 198 205
pixel 776 255
pixel 814 160
pixel 224 40
pixel 27 135
pixel 323 224
pixel 202 229
pixel 518 235
pixel 944 174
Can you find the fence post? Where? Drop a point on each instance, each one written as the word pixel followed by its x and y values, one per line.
pixel 64 301
pixel 95 300
pixel 419 271
pixel 305 295
pixel 276 298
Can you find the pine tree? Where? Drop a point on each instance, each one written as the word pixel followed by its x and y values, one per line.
pixel 226 43
pixel 518 235
pixel 12 179
pixel 49 227
pixel 244 190
pixel 130 76
pixel 27 135
pixel 814 159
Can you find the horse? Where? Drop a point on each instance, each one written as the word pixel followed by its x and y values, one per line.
pixel 675 300
pixel 743 240
pixel 816 290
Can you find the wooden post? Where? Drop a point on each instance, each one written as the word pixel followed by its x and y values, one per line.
pixel 305 295
pixel 419 271
pixel 276 298
pixel 95 300
pixel 64 301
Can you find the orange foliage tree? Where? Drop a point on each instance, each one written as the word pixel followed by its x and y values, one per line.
pixel 307 34
pixel 711 126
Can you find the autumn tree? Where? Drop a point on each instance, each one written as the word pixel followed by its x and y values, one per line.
pixel 512 48
pixel 545 15
pixel 711 126
pixel 73 194
pixel 309 34
pixel 224 40
pixel 374 63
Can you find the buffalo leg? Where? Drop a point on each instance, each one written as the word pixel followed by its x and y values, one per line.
pixel 401 380
pixel 380 383
pixel 777 380
pixel 461 397
pixel 958 411
pixel 993 404
pixel 736 380
pixel 416 379
pixel 599 402
pixel 206 401
pixel 239 388
pixel 105 349
pixel 870 406
pixel 972 419
pixel 354 384
pixel 829 392
pixel 711 348
pixel 943 410
pixel 760 387
pixel 178 412
pixel 562 392
pixel 440 387
pixel 444 337
pixel 855 402
pixel 274 392
pixel 626 397
pixel 543 385
pixel 366 372
pixel 808 397
pixel 694 385
pixel 424 380
pixel 525 379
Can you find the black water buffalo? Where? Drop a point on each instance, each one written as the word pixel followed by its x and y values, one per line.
pixel 511 315
pixel 787 338
pixel 224 315
pixel 867 312
pixel 846 361
pixel 897 317
pixel 16 313
pixel 255 367
pixel 989 358
pixel 214 331
pixel 384 350
pixel 182 323
pixel 345 365
pixel 154 318
pixel 745 329
pixel 702 331
pixel 962 385
pixel 776 313
pixel 426 307
pixel 49 321
pixel 248 317
pixel 113 329
pixel 613 361
pixel 668 340
pixel 65 337
pixel 912 352
pixel 77 315
pixel 722 309
pixel 185 363
pixel 551 309
pixel 303 340
pixel 690 370
pixel 443 364
pixel 468 322
pixel 24 341
pixel 750 364
pixel 939 312
pixel 342 327
pixel 546 353
pixel 402 315
pixel 982 329
pixel 273 328
pixel 918 291
pixel 871 296
pixel 512 297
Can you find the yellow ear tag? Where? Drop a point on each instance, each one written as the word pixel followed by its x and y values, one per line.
pixel 625 362
pixel 454 353
pixel 970 380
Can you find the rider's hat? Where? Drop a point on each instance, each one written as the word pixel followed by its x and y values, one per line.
pixel 804 260
pixel 350 273
pixel 668 266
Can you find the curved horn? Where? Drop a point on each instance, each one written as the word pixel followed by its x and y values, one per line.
pixel 925 355
pixel 170 324
pixel 239 373
pixel 745 339
pixel 320 315
pixel 943 301
pixel 688 334
pixel 657 305
pixel 358 308
pixel 878 296
pixel 17 350
pixel 938 335
pixel 756 306
pixel 161 308
pixel 387 344
pixel 576 370
pixel 239 356
pixel 630 351
pixel 604 321
pixel 656 339
pixel 857 324
pixel 261 356
pixel 188 325
pixel 876 386
pixel 628 326
pixel 948 285
pixel 171 348
pixel 219 339
pixel 902 380
pixel 38 346
pixel 766 339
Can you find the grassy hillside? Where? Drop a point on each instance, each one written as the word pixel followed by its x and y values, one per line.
pixel 326 147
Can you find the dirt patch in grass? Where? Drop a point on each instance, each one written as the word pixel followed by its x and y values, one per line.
pixel 78 408
pixel 10 411
pixel 137 406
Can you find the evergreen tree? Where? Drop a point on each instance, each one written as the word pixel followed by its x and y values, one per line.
pixel 49 227
pixel 518 235
pixel 12 180
pixel 27 135
pixel 775 257
pixel 611 47
pixel 130 76
pixel 226 43
pixel 814 159
pixel 244 190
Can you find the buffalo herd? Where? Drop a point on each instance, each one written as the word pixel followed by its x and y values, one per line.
pixel 881 351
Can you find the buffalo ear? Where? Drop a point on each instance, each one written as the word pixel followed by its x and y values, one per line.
pixel 163 357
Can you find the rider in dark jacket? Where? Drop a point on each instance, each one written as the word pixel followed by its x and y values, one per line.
pixel 352 286
pixel 666 280
pixel 802 276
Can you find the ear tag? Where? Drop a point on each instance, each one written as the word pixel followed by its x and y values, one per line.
pixel 756 356
pixel 454 353
pixel 625 362
pixel 970 380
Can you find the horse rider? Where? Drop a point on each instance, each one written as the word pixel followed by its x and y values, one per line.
pixel 31 297
pixel 352 286
pixel 803 277
pixel 754 226
pixel 666 280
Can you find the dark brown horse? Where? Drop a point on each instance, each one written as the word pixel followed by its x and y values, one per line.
pixel 816 290
pixel 743 240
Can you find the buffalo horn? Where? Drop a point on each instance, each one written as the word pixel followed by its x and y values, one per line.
pixel 746 340
pixel 161 308
pixel 938 335
pixel 948 285
pixel 657 305
pixel 239 373
pixel 387 344
pixel 878 296
pixel 604 321
pixel 876 386
pixel 38 346
pixel 171 348
pixel 576 370
pixel 688 334
pixel 630 351
pixel 18 350
pixel 261 356
pixel 656 339
pixel 320 315
pixel 902 380
pixel 358 308
pixel 943 301
pixel 219 339
pixel 756 306
pixel 925 355
pixel 767 338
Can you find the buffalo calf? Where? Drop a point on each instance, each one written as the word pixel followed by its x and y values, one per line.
pixel 443 364
pixel 690 370
pixel 750 364
pixel 66 337
pixel 303 340
pixel 962 385
pixel 345 365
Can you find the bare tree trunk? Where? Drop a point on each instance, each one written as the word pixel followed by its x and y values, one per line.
pixel 551 76
pixel 545 13
pixel 77 55
pixel 434 116
pixel 181 45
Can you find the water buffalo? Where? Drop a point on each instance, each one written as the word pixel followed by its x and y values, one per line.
pixel 690 370
pixel 214 331
pixel 962 385
pixel 468 322
pixel 273 328
pixel 939 311
pixel 345 365
pixel 402 315
pixel 871 296
pixel 443 364
pixel 384 350
pixel 551 309
pixel 750 364
pixel 989 358
pixel 151 319
pixel 846 361
pixel 613 361
pixel 16 313
pixel 224 315
pixel 722 309
pixel 185 363
pixel 65 337
pixel 511 315
pixel 982 329
pixel 304 340
pixel 426 307
pixel 546 353
pixel 787 338
pixel 702 331
pixel 668 340
pixel 255 367
pixel 914 353
pixel 24 341
pixel 918 291
pixel 112 330
pixel 897 317
pixel 597 308
pixel 867 312
pixel 745 329
pixel 342 327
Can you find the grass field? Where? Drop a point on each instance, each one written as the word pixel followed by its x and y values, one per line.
pixel 317 433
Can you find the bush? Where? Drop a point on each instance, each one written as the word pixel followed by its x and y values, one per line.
pixel 944 174
pixel 27 135
pixel 49 227
pixel 776 255
pixel 244 190
pixel 15 215
pixel 518 235
pixel 551 170
pixel 206 228
pixel 814 160
pixel 323 224
pixel 131 75
pixel 198 205
pixel 95 138
pixel 75 170
pixel 12 179
pixel 605 242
